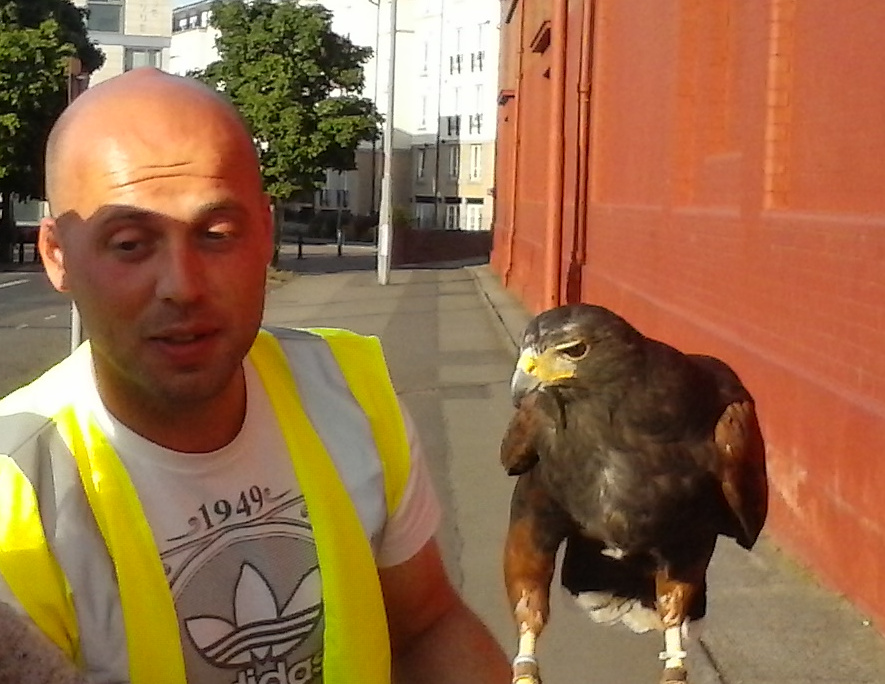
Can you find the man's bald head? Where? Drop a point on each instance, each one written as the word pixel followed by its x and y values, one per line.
pixel 143 107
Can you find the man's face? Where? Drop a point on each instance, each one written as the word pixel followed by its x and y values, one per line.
pixel 164 244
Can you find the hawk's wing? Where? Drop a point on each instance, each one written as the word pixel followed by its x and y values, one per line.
pixel 742 457
pixel 535 421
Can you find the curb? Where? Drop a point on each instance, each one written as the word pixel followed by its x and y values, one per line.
pixel 509 315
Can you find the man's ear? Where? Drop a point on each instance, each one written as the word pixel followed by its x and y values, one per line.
pixel 52 254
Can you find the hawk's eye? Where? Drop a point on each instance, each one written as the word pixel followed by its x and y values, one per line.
pixel 574 350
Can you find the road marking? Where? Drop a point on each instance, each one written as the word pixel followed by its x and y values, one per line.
pixel 20 281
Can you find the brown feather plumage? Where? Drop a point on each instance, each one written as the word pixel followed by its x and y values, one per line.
pixel 637 455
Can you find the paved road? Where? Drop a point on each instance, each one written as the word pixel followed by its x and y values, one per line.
pixel 34 327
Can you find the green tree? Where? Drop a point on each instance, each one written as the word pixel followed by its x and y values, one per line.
pixel 38 39
pixel 297 83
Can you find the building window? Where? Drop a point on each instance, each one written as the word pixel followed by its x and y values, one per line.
pixel 424 213
pixel 478 97
pixel 475 123
pixel 476 60
pixel 422 124
pixel 453 216
pixel 140 57
pixel 474 216
pixel 420 162
pixel 425 59
pixel 455 63
pixel 475 162
pixel 205 18
pixel 453 125
pixel 105 15
pixel 454 161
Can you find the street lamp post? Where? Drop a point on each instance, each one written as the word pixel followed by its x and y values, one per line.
pixel 373 203
pixel 74 75
pixel 385 218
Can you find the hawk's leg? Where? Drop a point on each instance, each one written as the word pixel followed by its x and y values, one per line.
pixel 537 527
pixel 681 594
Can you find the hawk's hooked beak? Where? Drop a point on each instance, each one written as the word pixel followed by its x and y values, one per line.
pixel 524 380
pixel 533 370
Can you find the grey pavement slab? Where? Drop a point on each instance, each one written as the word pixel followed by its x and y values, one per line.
pixel 449 335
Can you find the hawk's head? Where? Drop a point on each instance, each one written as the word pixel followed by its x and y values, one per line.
pixel 576 345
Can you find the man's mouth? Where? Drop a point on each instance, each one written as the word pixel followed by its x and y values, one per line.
pixel 186 346
pixel 183 339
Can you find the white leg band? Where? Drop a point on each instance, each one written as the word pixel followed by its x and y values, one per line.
pixel 526 656
pixel 673 654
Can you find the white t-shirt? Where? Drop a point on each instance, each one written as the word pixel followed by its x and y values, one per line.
pixel 237 546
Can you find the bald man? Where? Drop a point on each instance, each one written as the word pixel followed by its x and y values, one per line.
pixel 188 497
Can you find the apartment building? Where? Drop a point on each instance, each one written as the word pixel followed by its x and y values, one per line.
pixel 132 33
pixel 445 87
pixel 455 79
pixel 193 39
pixel 444 110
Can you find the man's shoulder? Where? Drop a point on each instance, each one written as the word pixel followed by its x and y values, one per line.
pixel 346 345
pixel 29 411
pixel 318 334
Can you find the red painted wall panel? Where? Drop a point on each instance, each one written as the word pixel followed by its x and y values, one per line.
pixel 735 208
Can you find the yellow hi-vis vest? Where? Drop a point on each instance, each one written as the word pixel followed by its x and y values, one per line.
pixel 356 644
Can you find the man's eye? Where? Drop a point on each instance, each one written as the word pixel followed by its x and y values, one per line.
pixel 126 244
pixel 220 230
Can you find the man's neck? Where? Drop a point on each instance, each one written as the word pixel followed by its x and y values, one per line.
pixel 190 427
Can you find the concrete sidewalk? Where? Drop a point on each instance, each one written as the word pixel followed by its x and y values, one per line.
pixel 449 334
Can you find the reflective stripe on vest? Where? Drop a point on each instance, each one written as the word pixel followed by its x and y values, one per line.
pixel 22 540
pixel 355 641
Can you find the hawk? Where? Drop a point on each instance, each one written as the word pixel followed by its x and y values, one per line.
pixel 636 456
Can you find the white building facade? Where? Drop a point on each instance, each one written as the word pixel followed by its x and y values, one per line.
pixel 193 39
pixel 131 33
pixel 454 114
pixel 444 112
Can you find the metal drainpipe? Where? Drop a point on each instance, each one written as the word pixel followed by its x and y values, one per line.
pixel 553 255
pixel 573 289
pixel 511 235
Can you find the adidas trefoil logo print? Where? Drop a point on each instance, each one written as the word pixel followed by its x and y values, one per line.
pixel 262 630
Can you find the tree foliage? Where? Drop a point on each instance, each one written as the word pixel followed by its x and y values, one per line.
pixel 38 38
pixel 297 83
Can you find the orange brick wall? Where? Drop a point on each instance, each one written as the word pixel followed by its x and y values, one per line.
pixel 736 207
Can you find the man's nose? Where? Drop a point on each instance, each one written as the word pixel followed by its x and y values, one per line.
pixel 181 276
